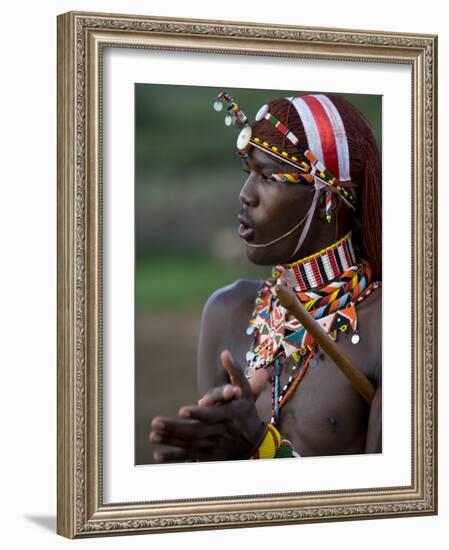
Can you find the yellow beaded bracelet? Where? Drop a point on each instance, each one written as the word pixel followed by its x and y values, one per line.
pixel 270 444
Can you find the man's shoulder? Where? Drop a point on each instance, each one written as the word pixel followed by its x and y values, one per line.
pixel 223 325
pixel 232 298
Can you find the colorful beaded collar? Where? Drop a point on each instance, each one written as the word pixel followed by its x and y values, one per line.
pixel 322 267
pixel 278 335
pixel 328 284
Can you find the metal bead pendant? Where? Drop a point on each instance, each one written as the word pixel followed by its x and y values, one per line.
pixel 244 137
pixel 249 356
pixel 228 120
pixel 250 330
pixel 261 112
pixel 355 338
pixel 218 106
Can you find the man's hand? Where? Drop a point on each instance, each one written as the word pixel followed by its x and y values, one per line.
pixel 227 392
pixel 224 425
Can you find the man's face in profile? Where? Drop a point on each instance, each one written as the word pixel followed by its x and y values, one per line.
pixel 270 209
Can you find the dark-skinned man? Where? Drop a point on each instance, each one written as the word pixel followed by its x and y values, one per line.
pixel 311 208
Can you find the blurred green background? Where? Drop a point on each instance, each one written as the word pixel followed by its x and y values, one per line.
pixel 187 183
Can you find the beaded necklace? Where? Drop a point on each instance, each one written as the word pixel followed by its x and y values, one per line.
pixel 330 284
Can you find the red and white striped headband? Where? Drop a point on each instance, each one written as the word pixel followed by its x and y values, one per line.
pixel 325 132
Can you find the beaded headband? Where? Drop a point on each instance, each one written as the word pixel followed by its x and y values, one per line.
pixel 325 134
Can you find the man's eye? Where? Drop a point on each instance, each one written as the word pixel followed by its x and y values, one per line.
pixel 265 178
pixel 262 176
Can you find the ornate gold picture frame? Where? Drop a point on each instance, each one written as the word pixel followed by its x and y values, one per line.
pixel 83 510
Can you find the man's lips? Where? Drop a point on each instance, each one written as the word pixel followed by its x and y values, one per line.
pixel 246 231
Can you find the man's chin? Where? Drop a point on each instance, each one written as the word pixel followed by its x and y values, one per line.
pixel 259 256
pixel 268 255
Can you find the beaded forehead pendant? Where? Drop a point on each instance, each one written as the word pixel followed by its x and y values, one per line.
pixel 235 117
pixel 327 154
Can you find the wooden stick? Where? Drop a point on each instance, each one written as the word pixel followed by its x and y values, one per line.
pixel 290 301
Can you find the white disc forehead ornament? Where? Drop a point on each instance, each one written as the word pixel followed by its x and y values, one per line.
pixel 261 112
pixel 244 137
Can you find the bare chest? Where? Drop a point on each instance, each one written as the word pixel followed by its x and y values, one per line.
pixel 324 415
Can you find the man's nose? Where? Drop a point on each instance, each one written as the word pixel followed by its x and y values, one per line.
pixel 249 194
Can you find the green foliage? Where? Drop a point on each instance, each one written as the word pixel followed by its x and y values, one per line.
pixel 175 283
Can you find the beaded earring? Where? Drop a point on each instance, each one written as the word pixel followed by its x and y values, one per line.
pixel 329 206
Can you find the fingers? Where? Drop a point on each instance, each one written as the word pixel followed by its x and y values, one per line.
pixel 180 432
pixel 187 439
pixel 170 455
pixel 235 372
pixel 220 394
pixel 208 415
pixel 190 447
pixel 241 388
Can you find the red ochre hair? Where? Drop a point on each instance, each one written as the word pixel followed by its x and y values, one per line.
pixel 365 169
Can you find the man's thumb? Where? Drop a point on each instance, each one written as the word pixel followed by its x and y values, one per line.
pixel 235 373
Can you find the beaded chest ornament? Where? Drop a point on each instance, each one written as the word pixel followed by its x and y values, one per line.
pixel 330 284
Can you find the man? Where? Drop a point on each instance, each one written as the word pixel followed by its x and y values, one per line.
pixel 311 207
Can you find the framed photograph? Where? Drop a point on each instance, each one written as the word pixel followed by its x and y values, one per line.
pixel 246 273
